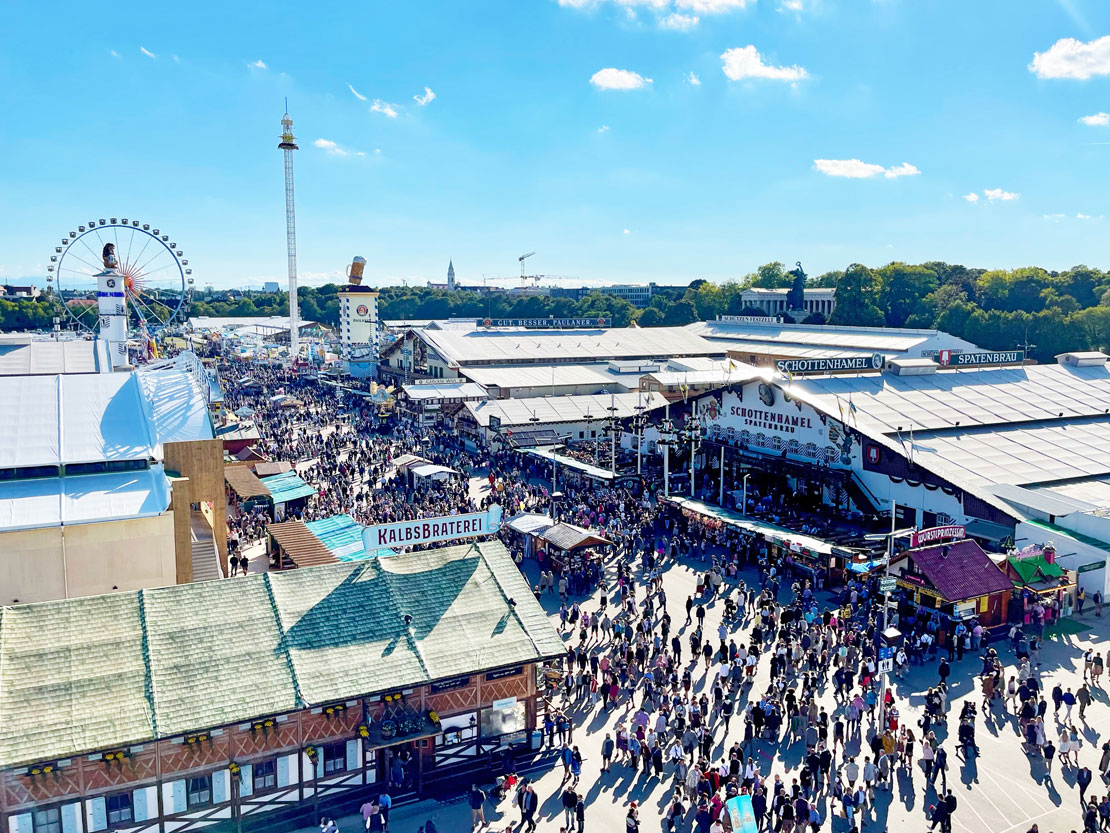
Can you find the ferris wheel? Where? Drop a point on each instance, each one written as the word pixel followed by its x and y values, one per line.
pixel 155 273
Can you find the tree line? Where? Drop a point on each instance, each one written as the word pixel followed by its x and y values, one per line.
pixel 1049 312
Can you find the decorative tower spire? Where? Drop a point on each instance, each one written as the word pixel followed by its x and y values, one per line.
pixel 451 276
pixel 287 145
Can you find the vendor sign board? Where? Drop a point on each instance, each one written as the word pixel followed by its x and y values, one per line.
pixel 741 814
pixel 933 534
pixel 950 358
pixel 833 365
pixel 430 530
pixel 548 323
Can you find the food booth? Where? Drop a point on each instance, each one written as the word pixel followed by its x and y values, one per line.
pixel 1039 580
pixel 955 577
pixel 564 547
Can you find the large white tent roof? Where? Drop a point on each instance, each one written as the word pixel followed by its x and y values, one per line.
pixel 90 418
pixel 546 410
pixel 498 346
pixel 966 398
pixel 30 356
pixel 882 339
pixel 558 375
pixel 77 499
pixel 1020 455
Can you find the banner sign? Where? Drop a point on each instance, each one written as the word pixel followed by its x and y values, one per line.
pixel 872 362
pixel 936 533
pixel 548 323
pixel 429 530
pixel 947 358
pixel 749 319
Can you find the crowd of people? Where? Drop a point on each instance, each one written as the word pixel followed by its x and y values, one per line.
pixel 760 683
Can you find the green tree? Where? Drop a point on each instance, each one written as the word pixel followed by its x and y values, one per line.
pixel 827 280
pixel 681 313
pixel 1095 325
pixel 935 304
pixel 855 299
pixel 1019 289
pixel 769 276
pixel 901 290
pixel 650 317
pixel 1083 284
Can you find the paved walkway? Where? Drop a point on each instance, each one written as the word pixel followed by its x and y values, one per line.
pixel 1003 791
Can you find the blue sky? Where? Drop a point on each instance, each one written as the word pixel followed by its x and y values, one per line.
pixel 173 117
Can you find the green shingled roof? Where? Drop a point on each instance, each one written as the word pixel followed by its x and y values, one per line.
pixel 211 654
pixel 82 675
pixel 72 676
pixel 1034 567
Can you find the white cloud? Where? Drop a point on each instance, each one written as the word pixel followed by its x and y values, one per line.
pixel 693 79
pixel 746 62
pixel 790 5
pixel 679 22
pixel 993 194
pixel 1082 216
pixel 426 99
pixel 147 52
pixel 972 197
pixel 334 149
pixel 603 129
pixel 384 108
pixel 176 60
pixel 713 6
pixel 1096 119
pixel 618 79
pixel 905 169
pixel 1071 58
pixel 628 231
pixel 258 64
pixel 357 94
pixel 1054 217
pixel 113 53
pixel 856 169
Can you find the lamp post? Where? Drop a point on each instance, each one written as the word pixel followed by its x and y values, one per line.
pixel 691 434
pixel 721 471
pixel 612 433
pixel 589 418
pixel 639 422
pixel 744 510
pixel 666 440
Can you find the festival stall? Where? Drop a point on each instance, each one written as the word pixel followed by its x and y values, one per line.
pixel 524 530
pixel 1039 580
pixel 566 547
pixel 955 577
pixel 794 552
pixel 431 471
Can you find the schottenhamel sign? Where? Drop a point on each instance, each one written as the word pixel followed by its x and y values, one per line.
pixel 430 530
pixel 936 533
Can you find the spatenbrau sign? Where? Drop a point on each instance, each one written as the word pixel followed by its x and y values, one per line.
pixel 429 530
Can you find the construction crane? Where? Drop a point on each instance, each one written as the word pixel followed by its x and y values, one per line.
pixel 524 278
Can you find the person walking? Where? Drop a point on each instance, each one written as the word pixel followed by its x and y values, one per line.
pixel 477 800
pixel 528 802
pixel 569 801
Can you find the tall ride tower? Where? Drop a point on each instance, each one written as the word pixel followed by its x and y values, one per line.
pixel 288 144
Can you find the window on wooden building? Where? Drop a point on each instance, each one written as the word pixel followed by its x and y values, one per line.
pixel 335 757
pixel 47 820
pixel 265 775
pixel 118 809
pixel 198 791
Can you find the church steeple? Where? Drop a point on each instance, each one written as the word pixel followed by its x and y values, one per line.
pixel 451 276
